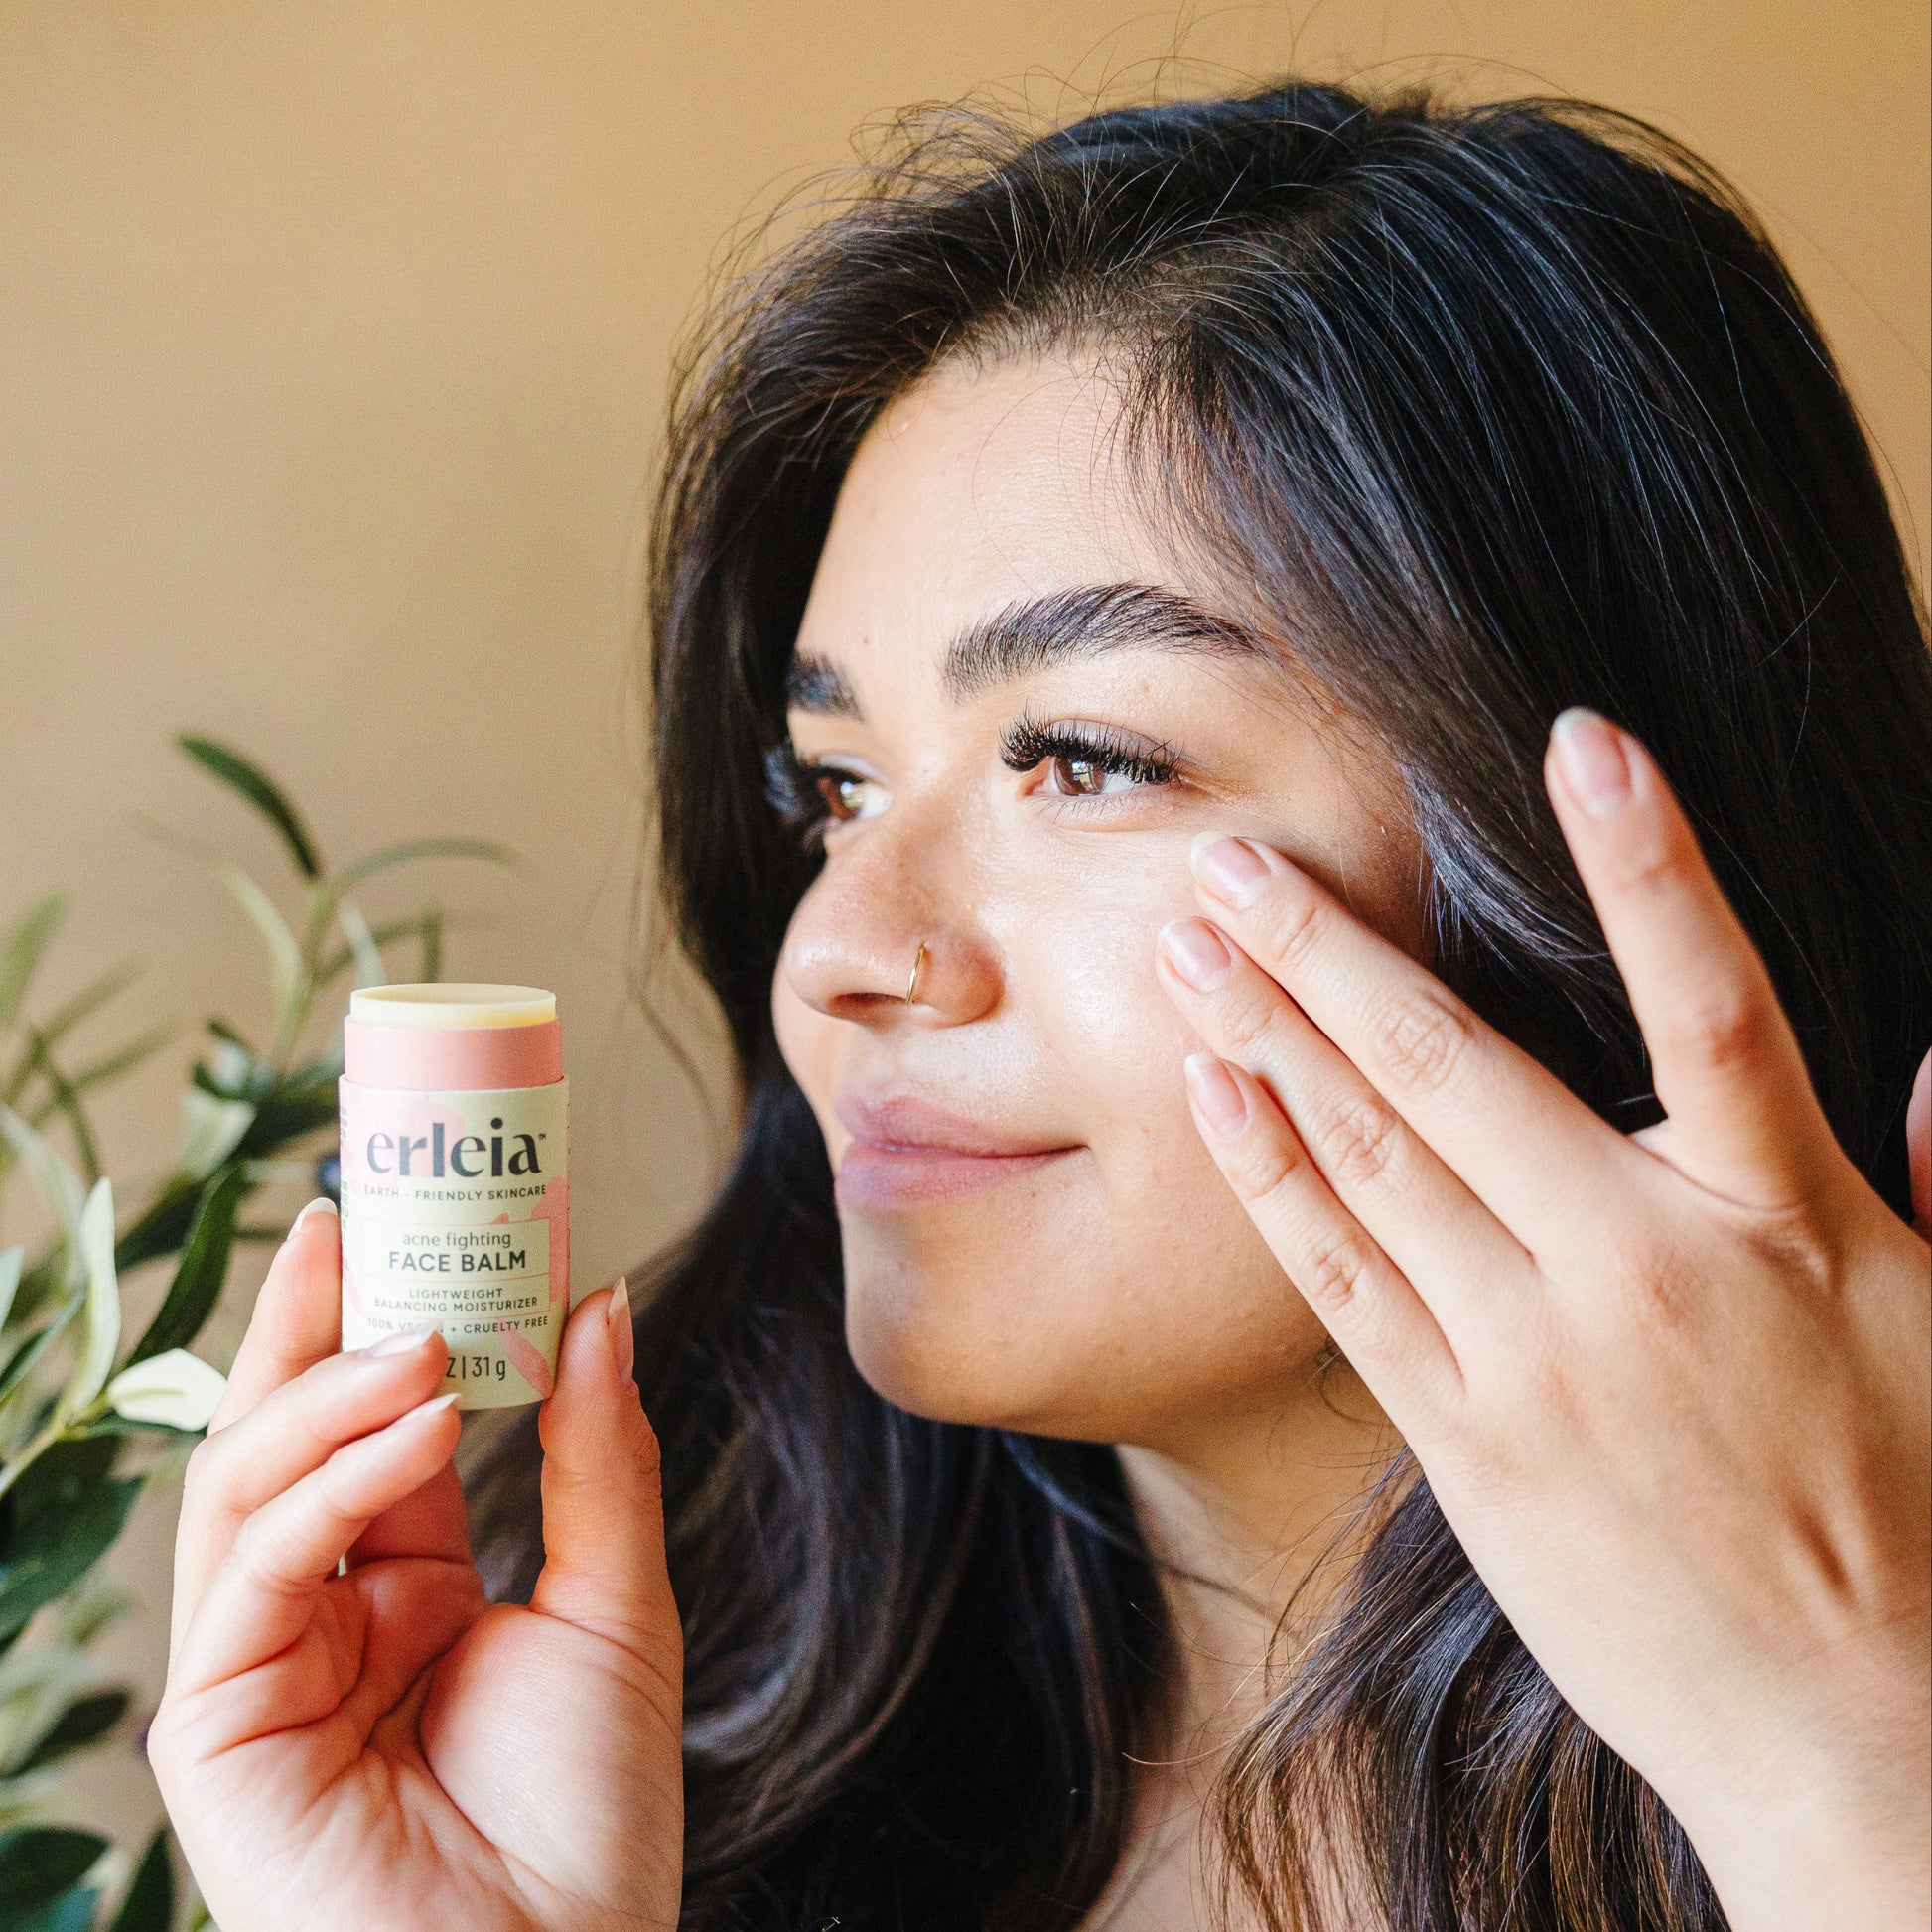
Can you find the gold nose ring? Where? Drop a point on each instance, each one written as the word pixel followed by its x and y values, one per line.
pixel 912 983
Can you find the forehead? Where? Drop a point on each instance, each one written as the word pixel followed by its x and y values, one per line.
pixel 984 486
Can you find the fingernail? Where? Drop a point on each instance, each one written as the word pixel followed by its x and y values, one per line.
pixel 1594 765
pixel 1197 952
pixel 1222 1103
pixel 402 1341
pixel 322 1204
pixel 1231 869
pixel 623 1345
pixel 433 1407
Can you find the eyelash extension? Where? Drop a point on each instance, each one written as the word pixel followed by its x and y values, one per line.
pixel 1025 744
pixel 792 785
pixel 791 791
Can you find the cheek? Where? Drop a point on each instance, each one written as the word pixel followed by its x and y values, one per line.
pixel 1137 1298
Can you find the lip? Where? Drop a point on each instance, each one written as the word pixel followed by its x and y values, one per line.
pixel 908 1150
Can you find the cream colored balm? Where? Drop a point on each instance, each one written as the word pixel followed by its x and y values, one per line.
pixel 456 1179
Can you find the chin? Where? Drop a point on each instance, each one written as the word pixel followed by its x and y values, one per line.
pixel 939 1341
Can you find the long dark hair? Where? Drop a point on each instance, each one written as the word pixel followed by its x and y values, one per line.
pixel 1489 411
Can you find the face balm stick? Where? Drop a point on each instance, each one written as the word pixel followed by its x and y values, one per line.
pixel 456 1179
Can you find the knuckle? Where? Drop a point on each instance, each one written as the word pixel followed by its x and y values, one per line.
pixel 1269 1163
pixel 161 1743
pixel 1358 1140
pixel 1420 1040
pixel 1333 1270
pixel 1290 925
pixel 205 1462
pixel 254 1553
pixel 1246 1020
pixel 1644 865
pixel 1723 1029
pixel 1800 1245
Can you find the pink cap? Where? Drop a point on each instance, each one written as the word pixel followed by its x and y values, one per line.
pixel 453 1037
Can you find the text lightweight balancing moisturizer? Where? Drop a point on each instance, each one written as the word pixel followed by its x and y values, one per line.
pixel 456 1179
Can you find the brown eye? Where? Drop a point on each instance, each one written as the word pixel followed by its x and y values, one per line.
pixel 1082 777
pixel 847 796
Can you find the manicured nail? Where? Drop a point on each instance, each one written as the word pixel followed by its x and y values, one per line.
pixel 1594 765
pixel 433 1407
pixel 322 1204
pixel 401 1342
pixel 1231 869
pixel 623 1343
pixel 1197 952
pixel 1221 1102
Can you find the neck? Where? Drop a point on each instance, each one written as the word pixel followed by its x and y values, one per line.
pixel 1250 1519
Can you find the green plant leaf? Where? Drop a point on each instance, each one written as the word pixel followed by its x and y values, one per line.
pixel 100 1320
pixel 286 971
pixel 342 958
pixel 86 1721
pixel 21 949
pixel 150 1903
pixel 65 1102
pixel 203 1267
pixel 261 791
pixel 211 1129
pixel 58 1187
pixel 124 1059
pixel 38 1868
pixel 38 1683
pixel 370 970
pixel 300 1103
pixel 233 1070
pixel 90 1610
pixel 339 884
pixel 40 1861
pixel 72 1911
pixel 162 1226
pixel 9 1280
pixel 68 1509
pixel 431 969
pixel 23 1361
pixel 83 1005
pixel 89 1001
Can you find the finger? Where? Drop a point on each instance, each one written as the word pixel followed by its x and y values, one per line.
pixel 1365 1303
pixel 1523 1145
pixel 298 1316
pixel 1726 1062
pixel 262 1596
pixel 427 1522
pixel 603 1512
pixel 1462 1261
pixel 294 1430
pixel 421 1611
pixel 1918 1146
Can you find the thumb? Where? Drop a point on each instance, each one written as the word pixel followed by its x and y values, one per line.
pixel 1918 1146
pixel 603 1505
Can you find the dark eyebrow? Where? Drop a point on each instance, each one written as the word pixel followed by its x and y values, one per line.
pixel 813 685
pixel 1028 636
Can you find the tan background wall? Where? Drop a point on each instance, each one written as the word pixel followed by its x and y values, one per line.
pixel 332 345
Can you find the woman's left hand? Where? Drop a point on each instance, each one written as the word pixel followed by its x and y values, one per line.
pixel 1671 1390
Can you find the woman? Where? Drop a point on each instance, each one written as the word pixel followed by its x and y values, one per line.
pixel 1453 1455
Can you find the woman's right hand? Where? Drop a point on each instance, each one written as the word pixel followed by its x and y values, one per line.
pixel 382 1747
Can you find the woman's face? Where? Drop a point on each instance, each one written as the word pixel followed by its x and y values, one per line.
pixel 1023 712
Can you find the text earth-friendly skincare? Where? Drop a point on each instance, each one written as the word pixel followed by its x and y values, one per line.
pixel 456 1179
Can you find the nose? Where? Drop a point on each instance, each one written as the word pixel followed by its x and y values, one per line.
pixel 854 942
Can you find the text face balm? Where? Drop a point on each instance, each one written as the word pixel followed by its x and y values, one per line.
pixel 456 1179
